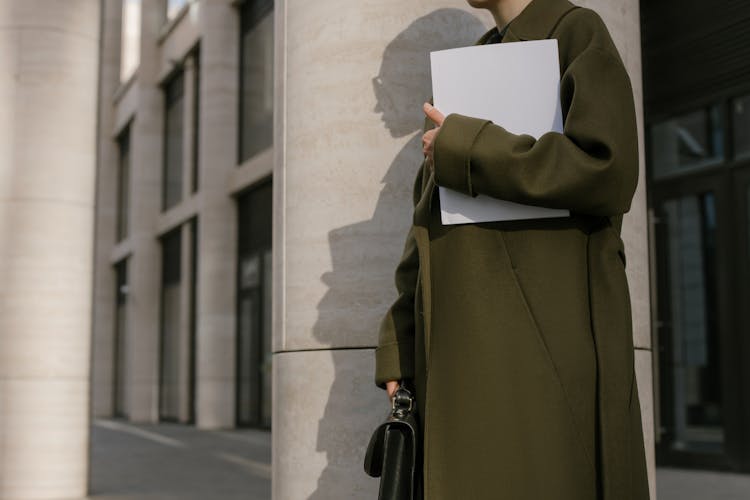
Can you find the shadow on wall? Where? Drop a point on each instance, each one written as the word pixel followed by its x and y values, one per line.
pixel 360 261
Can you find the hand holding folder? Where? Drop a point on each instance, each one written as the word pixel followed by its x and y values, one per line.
pixel 515 85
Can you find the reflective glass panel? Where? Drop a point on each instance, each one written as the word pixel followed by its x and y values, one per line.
pixel 123 185
pixel 741 126
pixel 687 142
pixel 694 370
pixel 173 140
pixel 173 338
pixel 256 80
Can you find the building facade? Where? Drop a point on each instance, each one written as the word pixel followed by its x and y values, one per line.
pixel 256 160
pixel 253 167
pixel 182 323
pixel 185 306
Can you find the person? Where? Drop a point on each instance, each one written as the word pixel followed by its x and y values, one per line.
pixel 518 334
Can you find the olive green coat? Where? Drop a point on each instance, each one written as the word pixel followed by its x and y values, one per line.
pixel 518 334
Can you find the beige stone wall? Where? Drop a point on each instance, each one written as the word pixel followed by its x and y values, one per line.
pixel 346 156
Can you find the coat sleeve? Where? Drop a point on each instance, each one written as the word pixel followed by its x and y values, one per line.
pixel 590 168
pixel 394 354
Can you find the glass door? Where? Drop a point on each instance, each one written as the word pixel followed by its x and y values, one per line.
pixel 741 290
pixel 696 342
pixel 699 193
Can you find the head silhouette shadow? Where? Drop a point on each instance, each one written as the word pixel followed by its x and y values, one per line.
pixel 363 266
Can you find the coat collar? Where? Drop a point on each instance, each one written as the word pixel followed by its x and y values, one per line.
pixel 535 22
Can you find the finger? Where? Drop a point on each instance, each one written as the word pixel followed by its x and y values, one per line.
pixel 429 136
pixel 427 139
pixel 433 114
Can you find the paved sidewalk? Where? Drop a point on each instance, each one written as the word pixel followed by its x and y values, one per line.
pixel 679 484
pixel 172 461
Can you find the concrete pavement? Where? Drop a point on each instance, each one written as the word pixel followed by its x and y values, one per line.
pixel 172 461
pixel 680 484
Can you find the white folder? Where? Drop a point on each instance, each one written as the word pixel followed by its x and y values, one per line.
pixel 514 84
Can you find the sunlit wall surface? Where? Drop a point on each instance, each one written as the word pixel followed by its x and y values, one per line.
pixel 131 37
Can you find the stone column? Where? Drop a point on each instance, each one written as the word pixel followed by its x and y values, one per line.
pixel 217 231
pixel 103 362
pixel 347 152
pixel 48 86
pixel 147 138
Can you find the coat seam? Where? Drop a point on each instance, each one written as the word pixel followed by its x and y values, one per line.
pixel 540 339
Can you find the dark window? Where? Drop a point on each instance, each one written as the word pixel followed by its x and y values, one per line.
pixel 741 125
pixel 689 141
pixel 254 307
pixel 178 325
pixel 193 226
pixel 196 117
pixel 256 78
pixel 120 340
pixel 123 183
pixel 171 333
pixel 174 91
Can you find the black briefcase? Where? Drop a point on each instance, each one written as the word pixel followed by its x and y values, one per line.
pixel 393 451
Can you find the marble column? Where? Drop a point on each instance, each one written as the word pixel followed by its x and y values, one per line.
pixel 48 86
pixel 346 153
